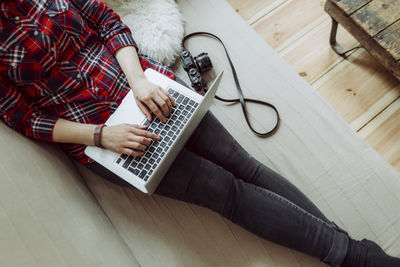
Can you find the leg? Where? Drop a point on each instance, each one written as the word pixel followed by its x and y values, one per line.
pixel 196 180
pixel 332 40
pixel 213 142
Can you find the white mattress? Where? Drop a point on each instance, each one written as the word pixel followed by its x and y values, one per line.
pixel 314 148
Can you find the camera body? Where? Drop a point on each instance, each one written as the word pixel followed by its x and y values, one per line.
pixel 195 66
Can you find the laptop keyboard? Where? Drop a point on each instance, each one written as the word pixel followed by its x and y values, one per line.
pixel 144 166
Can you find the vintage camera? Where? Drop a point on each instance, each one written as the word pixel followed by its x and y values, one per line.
pixel 195 66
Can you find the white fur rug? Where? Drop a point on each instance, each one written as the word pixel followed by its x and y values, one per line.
pixel 157 26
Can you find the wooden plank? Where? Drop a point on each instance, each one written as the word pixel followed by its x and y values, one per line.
pixel 389 39
pixel 377 15
pixel 350 6
pixel 248 8
pixel 311 56
pixel 383 133
pixel 277 29
pixel 364 38
pixel 358 89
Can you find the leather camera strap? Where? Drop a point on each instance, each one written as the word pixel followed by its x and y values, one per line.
pixel 242 100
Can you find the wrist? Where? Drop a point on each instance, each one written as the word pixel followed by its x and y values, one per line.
pixel 136 81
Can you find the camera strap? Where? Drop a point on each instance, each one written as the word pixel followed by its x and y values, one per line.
pixel 242 100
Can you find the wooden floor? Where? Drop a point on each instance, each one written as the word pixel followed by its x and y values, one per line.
pixel 358 88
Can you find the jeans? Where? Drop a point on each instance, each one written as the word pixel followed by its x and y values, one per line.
pixel 215 172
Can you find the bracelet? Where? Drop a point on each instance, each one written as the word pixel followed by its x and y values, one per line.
pixel 97 135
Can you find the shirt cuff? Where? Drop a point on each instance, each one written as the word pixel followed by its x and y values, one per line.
pixel 43 126
pixel 121 40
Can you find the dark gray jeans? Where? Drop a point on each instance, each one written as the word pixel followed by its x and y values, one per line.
pixel 214 171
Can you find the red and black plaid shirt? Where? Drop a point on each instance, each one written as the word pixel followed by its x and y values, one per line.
pixel 56 61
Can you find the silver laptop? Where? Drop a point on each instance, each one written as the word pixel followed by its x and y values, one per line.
pixel 146 172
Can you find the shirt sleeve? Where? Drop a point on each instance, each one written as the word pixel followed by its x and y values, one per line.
pixel 18 113
pixel 106 23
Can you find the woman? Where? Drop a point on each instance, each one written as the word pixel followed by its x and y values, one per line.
pixel 65 65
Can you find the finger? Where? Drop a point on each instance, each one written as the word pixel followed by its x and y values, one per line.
pixel 162 104
pixel 169 97
pixel 135 145
pixel 167 100
pixel 145 110
pixel 154 108
pixel 132 152
pixel 144 133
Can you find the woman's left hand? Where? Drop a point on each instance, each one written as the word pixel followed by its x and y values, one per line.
pixel 152 98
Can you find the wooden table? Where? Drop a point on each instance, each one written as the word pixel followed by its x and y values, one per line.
pixel 374 23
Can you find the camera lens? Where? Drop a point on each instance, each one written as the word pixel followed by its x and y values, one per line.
pixel 185 53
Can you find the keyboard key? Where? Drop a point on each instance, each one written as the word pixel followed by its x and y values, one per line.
pixel 181 118
pixel 147 155
pixel 163 144
pixel 148 166
pixel 170 143
pixel 188 107
pixel 144 160
pixel 136 172
pixel 191 102
pixel 140 166
pixel 127 162
pixel 167 138
pixel 147 123
pixel 174 128
pixel 124 156
pixel 175 95
pixel 171 91
pixel 142 174
pixel 196 104
pixel 159 149
pixel 119 160
pixel 163 133
pixel 157 131
pixel 185 101
pixel 152 149
pixel 167 127
pixel 179 99
pixel 185 112
pixel 192 110
pixel 151 161
pixel 133 164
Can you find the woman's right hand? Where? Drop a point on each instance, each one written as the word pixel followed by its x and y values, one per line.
pixel 129 139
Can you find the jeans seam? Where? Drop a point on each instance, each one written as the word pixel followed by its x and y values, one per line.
pixel 291 204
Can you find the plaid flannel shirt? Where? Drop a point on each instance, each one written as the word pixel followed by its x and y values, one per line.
pixel 56 61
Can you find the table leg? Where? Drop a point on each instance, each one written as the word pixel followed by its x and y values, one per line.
pixel 335 46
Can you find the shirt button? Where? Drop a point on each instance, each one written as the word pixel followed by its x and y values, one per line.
pixel 78 76
pixel 16 18
pixel 36 33
pixel 13 64
pixel 96 89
